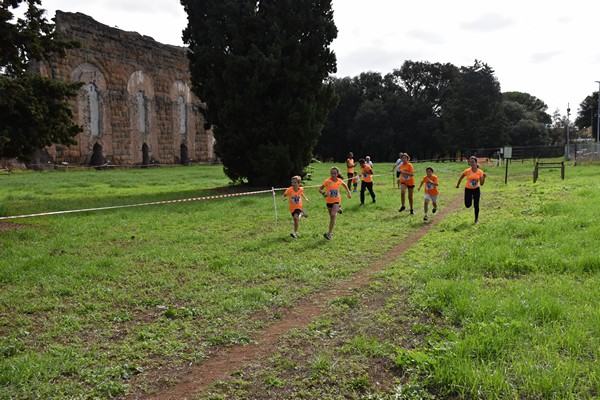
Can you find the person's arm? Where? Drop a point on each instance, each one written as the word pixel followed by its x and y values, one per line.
pixel 305 198
pixel 321 191
pixel 482 179
pixel 347 190
pixel 420 186
pixel 459 180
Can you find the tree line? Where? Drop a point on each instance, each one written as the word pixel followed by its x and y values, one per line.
pixel 432 110
pixel 266 72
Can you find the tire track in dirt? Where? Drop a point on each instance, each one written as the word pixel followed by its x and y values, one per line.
pixel 224 362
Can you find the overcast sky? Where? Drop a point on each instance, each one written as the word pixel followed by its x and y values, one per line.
pixel 549 49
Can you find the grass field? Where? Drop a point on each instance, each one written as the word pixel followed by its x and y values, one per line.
pixel 113 303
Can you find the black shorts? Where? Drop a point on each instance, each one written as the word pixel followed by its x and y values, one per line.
pixel 408 186
pixel 297 211
pixel 330 205
pixel 350 175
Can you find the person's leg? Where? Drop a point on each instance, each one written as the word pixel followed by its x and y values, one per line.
pixel 350 176
pixel 426 206
pixel 332 215
pixel 468 198
pixel 476 196
pixel 296 222
pixel 371 192
pixel 403 195
pixel 410 198
pixel 362 192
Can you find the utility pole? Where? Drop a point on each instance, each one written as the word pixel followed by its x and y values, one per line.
pixel 567 147
pixel 598 121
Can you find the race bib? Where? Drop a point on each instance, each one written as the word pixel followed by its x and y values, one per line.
pixel 296 199
pixel 474 182
pixel 334 193
pixel 429 186
pixel 365 175
pixel 405 177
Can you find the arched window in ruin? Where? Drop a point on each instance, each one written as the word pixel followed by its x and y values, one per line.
pixel 182 115
pixel 145 155
pixel 141 104
pixel 97 157
pixel 93 109
pixel 185 160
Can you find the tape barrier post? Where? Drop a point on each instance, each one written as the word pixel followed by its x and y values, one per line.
pixel 274 203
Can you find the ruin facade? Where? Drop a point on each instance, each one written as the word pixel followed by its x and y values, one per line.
pixel 135 104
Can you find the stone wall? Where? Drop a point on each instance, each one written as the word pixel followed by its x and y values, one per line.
pixel 135 106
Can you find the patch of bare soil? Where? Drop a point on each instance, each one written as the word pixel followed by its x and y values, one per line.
pixel 6 226
pixel 223 363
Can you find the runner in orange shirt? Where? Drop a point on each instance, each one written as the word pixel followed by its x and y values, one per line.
pixel 350 164
pixel 330 189
pixel 407 182
pixel 431 191
pixel 295 193
pixel 475 179
pixel 366 174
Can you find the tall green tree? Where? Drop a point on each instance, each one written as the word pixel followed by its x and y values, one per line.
pixel 527 119
pixel 587 115
pixel 34 110
pixel 472 113
pixel 334 141
pixel 428 86
pixel 262 67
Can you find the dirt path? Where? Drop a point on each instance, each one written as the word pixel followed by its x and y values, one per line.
pixel 222 364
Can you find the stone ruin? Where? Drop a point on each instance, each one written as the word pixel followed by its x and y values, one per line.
pixel 135 105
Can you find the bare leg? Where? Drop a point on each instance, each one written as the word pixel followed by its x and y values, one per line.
pixel 332 215
pixel 296 221
pixel 403 194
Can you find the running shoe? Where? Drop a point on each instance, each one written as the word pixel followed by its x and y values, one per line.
pixel 294 235
pixel 412 212
pixel 340 210
pixel 401 209
pixel 425 218
pixel 304 214
pixel 434 210
pixel 327 236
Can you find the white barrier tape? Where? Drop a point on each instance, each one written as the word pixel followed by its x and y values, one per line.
pixel 272 190
pixel 140 204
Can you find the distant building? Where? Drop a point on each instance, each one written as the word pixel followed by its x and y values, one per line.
pixel 136 106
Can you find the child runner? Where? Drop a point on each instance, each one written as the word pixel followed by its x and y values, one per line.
pixel 366 173
pixel 295 193
pixel 350 164
pixel 333 196
pixel 431 191
pixel 407 181
pixel 475 179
